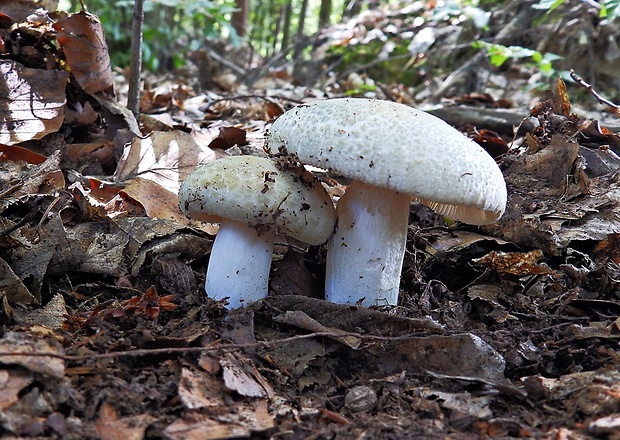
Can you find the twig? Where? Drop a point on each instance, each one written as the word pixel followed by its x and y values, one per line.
pixel 135 66
pixel 579 80
pixel 208 105
pixel 213 348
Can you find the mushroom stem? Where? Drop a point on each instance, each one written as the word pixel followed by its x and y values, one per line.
pixel 365 254
pixel 239 263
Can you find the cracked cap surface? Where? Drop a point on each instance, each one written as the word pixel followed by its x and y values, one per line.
pixel 397 147
pixel 252 190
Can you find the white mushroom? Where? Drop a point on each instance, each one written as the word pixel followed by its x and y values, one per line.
pixel 250 197
pixel 393 153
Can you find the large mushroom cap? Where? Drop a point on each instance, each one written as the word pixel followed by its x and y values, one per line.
pixel 252 190
pixel 397 147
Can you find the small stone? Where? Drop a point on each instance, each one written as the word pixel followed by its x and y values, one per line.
pixel 360 398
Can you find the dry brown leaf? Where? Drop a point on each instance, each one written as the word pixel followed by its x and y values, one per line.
pixel 42 177
pixel 111 427
pixel 300 319
pixel 157 201
pixel 12 382
pixel 515 263
pixel 101 152
pixel 229 137
pixel 82 39
pixel 32 102
pixel 22 345
pixel 241 422
pixel 244 378
pixel 51 316
pixel 12 288
pixel 163 157
pixel 200 390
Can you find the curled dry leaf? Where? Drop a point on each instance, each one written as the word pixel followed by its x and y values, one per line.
pixel 83 42
pixel 12 288
pixel 156 200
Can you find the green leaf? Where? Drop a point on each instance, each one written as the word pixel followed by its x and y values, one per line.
pixel 549 5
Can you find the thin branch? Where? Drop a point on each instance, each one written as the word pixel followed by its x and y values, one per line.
pixel 270 98
pixel 579 80
pixel 212 348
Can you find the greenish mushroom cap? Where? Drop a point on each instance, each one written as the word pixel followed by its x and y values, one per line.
pixel 253 190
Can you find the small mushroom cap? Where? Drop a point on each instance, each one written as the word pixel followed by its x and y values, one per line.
pixel 397 147
pixel 252 190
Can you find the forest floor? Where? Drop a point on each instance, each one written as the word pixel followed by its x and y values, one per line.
pixel 504 331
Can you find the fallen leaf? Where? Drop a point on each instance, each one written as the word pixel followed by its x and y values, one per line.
pixel 32 102
pixel 241 376
pixel 300 319
pixel 111 427
pixel 165 158
pixel 156 200
pixel 242 420
pixel 12 288
pixel 515 263
pixel 51 316
pixel 201 390
pixel 22 345
pixel 82 39
pixel 12 382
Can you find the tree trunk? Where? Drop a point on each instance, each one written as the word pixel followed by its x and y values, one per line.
pixel 324 13
pixel 240 18
pixel 286 27
pixel 302 19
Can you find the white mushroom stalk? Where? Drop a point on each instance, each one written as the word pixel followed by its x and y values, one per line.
pixel 394 154
pixel 365 254
pixel 251 198
pixel 239 264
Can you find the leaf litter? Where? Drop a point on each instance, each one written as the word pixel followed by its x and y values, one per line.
pixel 509 330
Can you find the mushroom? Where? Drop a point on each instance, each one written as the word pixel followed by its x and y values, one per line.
pixel 393 153
pixel 251 197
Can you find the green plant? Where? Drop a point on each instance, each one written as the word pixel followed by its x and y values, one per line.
pixel 498 54
pixel 607 8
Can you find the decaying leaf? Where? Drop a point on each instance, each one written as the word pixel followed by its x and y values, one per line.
pixel 462 404
pixel 163 157
pixel 242 420
pixel 515 263
pixel 301 320
pixel 27 173
pixel 112 427
pixel 12 382
pixel 51 315
pixel 156 200
pixel 83 42
pixel 199 389
pixel 12 288
pixel 464 355
pixel 38 340
pixel 241 376
pixel 32 102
